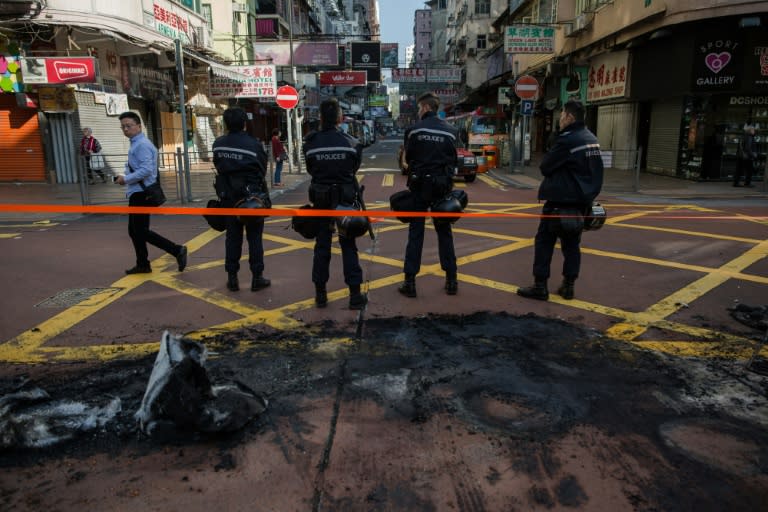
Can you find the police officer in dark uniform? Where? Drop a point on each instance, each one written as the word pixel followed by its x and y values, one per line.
pixel 333 158
pixel 430 154
pixel 573 177
pixel 241 163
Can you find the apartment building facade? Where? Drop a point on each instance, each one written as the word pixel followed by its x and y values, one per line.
pixel 670 84
pixel 132 45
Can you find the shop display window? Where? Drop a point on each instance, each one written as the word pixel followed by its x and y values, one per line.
pixel 710 132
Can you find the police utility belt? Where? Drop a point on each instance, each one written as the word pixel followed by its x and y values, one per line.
pixel 328 197
pixel 430 185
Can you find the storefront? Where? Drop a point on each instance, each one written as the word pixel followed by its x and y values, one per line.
pixel 703 83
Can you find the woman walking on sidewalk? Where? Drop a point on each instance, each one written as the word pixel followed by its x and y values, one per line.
pixel 90 149
pixel 279 155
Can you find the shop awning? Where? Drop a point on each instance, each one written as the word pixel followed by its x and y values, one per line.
pixel 217 68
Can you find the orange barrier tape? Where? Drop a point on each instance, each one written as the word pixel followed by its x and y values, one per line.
pixel 271 212
pixel 305 212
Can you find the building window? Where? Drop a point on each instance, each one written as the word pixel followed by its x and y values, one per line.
pixel 482 6
pixel 442 4
pixel 482 42
pixel 207 14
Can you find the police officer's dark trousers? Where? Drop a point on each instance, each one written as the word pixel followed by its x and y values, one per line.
pixel 141 235
pixel 234 246
pixel 544 247
pixel 353 273
pixel 416 244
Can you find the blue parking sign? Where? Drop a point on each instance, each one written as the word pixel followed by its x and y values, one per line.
pixel 526 107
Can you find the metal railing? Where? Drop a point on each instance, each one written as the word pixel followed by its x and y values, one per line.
pixel 180 185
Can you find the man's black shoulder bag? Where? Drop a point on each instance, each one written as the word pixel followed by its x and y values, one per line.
pixel 154 192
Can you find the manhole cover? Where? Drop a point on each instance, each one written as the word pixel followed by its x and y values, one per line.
pixel 74 296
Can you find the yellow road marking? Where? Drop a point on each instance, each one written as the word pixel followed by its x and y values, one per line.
pixel 29 346
pixel 491 182
pixel 388 180
pixel 9 235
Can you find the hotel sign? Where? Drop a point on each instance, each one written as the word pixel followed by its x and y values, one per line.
pixel 529 39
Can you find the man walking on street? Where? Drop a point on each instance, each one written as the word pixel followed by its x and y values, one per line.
pixel 430 155
pixel 241 163
pixel 333 158
pixel 573 177
pixel 141 172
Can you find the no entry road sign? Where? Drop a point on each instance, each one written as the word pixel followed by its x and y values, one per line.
pixel 287 97
pixel 526 87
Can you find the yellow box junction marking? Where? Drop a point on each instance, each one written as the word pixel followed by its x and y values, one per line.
pixel 29 347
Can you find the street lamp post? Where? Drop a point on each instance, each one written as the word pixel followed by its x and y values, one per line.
pixel 293 111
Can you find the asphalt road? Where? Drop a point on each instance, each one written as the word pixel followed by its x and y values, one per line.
pixel 633 396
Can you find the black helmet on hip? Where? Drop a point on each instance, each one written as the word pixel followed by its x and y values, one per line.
pixel 251 203
pixel 595 217
pixel 352 226
pixel 306 226
pixel 217 222
pixel 450 203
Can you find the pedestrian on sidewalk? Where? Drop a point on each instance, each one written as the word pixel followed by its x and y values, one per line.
pixel 278 155
pixel 333 157
pixel 241 163
pixel 430 155
pixel 90 149
pixel 141 172
pixel 747 156
pixel 573 177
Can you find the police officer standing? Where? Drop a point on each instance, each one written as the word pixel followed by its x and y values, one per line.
pixel 430 153
pixel 241 163
pixel 573 177
pixel 333 158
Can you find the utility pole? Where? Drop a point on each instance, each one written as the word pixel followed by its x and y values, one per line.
pixel 296 118
pixel 183 111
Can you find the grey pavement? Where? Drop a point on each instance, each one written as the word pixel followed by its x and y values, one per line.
pixel 644 188
pixel 109 194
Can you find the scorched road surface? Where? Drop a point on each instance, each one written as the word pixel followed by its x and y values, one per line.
pixel 485 412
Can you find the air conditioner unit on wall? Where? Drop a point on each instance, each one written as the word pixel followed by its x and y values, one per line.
pixel 236 7
pixel 581 22
pixel 203 36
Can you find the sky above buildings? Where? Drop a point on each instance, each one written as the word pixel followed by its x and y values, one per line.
pixel 396 18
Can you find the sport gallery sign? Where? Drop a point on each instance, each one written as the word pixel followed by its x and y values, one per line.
pixel 717 64
pixel 58 70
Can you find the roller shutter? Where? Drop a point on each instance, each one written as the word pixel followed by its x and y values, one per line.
pixel 664 136
pixel 105 128
pixel 20 143
pixel 617 134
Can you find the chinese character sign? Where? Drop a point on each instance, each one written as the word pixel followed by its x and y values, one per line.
pixel 403 75
pixel 447 75
pixel 607 76
pixel 171 24
pixel 260 82
pixel 529 39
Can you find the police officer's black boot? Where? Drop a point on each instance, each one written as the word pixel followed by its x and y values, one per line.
pixel 321 295
pixel 232 283
pixel 357 300
pixel 566 288
pixel 408 287
pixel 538 291
pixel 259 282
pixel 451 284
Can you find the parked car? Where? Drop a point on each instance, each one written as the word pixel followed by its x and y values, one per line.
pixel 466 160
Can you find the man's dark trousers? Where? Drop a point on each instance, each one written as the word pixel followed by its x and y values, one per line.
pixel 544 247
pixel 353 273
pixel 416 243
pixel 141 235
pixel 233 246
